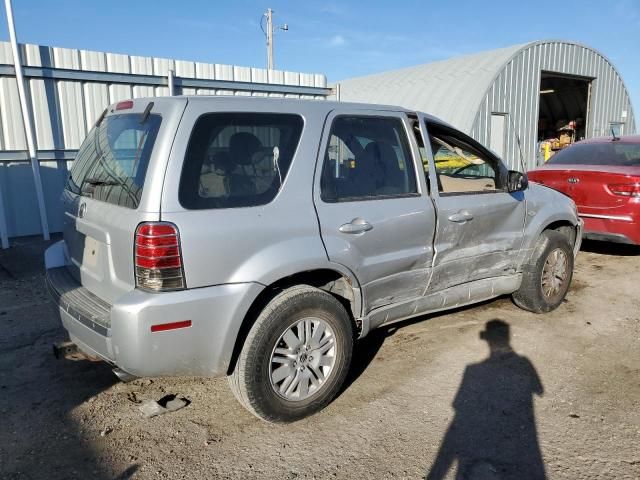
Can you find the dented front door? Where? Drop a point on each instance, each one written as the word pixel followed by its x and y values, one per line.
pixel 479 233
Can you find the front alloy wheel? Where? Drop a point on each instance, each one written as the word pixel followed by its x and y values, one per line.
pixel 554 273
pixel 546 277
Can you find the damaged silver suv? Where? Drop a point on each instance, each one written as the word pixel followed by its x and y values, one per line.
pixel 260 238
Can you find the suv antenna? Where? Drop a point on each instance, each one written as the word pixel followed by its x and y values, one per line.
pixel 513 126
pixel 613 134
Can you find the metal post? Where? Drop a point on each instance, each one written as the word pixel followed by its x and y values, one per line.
pixel 26 118
pixel 269 39
pixel 170 83
pixel 4 233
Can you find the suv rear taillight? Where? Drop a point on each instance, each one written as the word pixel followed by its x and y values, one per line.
pixel 158 259
pixel 625 189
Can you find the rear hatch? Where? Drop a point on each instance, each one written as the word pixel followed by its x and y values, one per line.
pixel 597 176
pixel 116 183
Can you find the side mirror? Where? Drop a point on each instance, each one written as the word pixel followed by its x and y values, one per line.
pixel 516 181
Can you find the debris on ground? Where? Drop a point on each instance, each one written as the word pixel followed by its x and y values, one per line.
pixel 389 422
pixel 168 403
pixel 142 382
pixel 132 397
pixel 106 431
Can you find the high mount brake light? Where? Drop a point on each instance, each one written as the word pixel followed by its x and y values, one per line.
pixel 158 258
pixel 124 105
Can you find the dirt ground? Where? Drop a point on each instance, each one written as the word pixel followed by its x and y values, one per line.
pixel 559 398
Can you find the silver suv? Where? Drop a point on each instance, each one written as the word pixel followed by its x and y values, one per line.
pixel 259 238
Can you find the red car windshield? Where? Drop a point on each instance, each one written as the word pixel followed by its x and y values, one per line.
pixel 609 153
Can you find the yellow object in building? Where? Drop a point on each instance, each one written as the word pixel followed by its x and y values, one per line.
pixel 546 150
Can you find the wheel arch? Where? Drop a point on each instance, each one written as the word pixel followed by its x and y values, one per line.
pixel 563 223
pixel 565 227
pixel 334 280
pixel 548 209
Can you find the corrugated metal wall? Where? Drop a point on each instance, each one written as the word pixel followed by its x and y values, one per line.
pixel 70 88
pixel 515 92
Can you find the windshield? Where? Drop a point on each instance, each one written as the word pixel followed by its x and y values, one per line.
pixel 111 164
pixel 610 153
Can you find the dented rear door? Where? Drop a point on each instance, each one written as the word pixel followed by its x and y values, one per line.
pixel 375 216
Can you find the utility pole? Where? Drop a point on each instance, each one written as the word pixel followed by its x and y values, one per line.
pixel 269 34
pixel 269 15
pixel 26 118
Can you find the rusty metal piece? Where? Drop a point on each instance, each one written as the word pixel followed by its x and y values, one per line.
pixel 70 351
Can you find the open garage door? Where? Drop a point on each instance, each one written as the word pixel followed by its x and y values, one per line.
pixel 564 112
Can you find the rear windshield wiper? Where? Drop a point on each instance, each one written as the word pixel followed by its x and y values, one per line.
pixel 96 182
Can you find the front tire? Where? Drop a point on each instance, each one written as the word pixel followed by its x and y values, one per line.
pixel 547 276
pixel 295 357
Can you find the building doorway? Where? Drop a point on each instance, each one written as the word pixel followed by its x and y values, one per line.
pixel 564 112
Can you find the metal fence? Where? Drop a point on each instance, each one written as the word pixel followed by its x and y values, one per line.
pixel 68 89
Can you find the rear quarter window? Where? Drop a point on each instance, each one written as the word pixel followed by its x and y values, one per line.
pixel 238 159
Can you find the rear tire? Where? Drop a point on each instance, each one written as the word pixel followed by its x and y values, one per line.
pixel 295 357
pixel 547 276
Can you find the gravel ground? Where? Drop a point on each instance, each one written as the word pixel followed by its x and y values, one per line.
pixel 558 397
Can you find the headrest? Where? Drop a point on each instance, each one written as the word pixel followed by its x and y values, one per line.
pixel 242 147
pixel 382 151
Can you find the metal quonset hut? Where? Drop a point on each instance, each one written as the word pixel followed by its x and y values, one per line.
pixel 527 89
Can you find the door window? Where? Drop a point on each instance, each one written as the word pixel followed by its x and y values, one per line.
pixel 461 167
pixel 367 158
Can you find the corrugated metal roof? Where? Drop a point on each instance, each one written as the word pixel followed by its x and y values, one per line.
pixel 468 91
pixel 446 89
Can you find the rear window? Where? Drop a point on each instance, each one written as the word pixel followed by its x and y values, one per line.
pixel 610 153
pixel 112 162
pixel 238 159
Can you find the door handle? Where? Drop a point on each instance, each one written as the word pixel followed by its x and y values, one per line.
pixel 461 217
pixel 357 225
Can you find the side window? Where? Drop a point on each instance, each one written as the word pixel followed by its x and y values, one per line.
pixel 460 167
pixel 367 158
pixel 238 159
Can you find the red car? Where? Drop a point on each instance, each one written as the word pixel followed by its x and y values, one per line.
pixel 602 175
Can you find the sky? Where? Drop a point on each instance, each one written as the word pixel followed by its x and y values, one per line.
pixel 340 39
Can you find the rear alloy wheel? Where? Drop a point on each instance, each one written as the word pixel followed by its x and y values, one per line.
pixel 295 357
pixel 303 359
pixel 547 276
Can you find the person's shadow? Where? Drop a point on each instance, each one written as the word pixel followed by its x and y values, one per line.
pixel 493 433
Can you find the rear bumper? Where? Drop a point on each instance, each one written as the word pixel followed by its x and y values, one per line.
pixel 203 349
pixel 612 228
pixel 125 338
